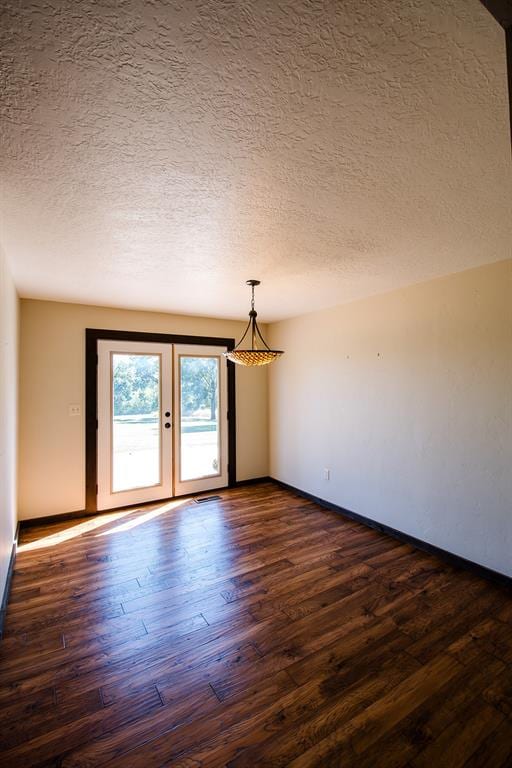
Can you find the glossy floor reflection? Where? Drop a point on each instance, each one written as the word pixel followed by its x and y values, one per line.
pixel 256 630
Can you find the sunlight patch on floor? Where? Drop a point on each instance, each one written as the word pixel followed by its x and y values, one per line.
pixel 74 531
pixel 141 519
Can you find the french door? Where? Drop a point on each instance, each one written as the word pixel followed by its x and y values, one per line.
pixel 162 421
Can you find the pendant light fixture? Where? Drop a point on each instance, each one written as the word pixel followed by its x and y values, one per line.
pixel 253 356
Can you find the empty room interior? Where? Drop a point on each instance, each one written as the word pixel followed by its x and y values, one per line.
pixel 256 384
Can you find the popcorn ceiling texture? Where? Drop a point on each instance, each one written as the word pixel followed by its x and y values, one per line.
pixel 158 154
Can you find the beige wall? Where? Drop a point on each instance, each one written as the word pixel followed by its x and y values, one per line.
pixel 8 415
pixel 407 399
pixel 52 372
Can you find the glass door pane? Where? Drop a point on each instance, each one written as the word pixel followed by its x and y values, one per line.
pixel 199 411
pixel 135 421
pixel 201 434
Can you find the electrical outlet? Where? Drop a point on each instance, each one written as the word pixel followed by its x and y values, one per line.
pixel 327 474
pixel 73 410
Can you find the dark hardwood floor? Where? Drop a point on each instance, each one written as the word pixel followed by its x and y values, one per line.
pixel 258 630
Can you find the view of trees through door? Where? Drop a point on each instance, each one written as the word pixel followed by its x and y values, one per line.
pixel 199 433
pixel 136 422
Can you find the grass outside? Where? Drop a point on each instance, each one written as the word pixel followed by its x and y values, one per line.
pixel 136 444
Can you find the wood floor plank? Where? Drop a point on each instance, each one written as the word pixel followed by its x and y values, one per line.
pixel 48 745
pixel 460 740
pixel 375 721
pixel 308 728
pixel 495 751
pixel 255 630
pixel 425 724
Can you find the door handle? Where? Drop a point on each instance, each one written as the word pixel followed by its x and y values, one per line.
pixel 167 424
pixel 167 414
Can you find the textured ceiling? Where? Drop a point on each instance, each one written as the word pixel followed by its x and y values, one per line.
pixel 157 154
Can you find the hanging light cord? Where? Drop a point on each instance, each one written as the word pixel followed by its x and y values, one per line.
pixel 255 331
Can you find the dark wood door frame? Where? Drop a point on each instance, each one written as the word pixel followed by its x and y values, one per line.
pixel 502 12
pixel 92 336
